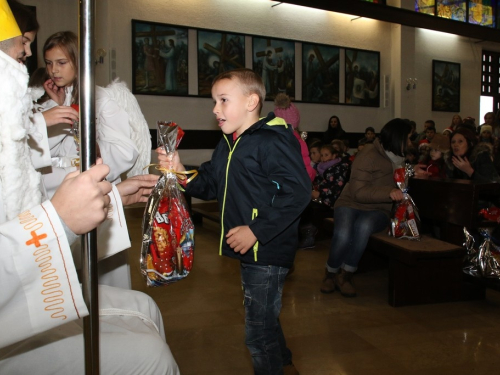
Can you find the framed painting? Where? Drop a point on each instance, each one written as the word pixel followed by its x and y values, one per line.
pixel 159 59
pixel 320 73
pixel 445 86
pixel 362 77
pixel 218 52
pixel 274 61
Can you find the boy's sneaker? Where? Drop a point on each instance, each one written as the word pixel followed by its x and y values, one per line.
pixel 290 370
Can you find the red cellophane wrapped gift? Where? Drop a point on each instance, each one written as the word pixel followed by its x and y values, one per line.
pixel 168 231
pixel 405 222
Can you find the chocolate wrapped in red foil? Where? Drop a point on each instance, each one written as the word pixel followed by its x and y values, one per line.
pixel 405 221
pixel 168 231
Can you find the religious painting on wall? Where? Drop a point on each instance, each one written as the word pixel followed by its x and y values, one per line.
pixel 218 52
pixel 274 61
pixel 320 73
pixel 362 77
pixel 445 86
pixel 159 59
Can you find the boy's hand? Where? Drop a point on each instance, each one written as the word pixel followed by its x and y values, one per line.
pixel 240 239
pixel 169 161
pixel 54 92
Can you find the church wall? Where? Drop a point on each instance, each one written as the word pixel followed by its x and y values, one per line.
pixel 258 17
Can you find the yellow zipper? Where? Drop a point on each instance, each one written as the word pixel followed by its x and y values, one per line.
pixel 255 213
pixel 225 192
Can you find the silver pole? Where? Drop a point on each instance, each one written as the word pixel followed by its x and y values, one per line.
pixel 87 158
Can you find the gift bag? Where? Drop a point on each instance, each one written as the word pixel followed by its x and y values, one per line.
pixel 485 260
pixel 168 231
pixel 405 222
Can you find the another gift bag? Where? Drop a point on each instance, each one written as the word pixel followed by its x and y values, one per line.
pixel 485 260
pixel 405 221
pixel 168 231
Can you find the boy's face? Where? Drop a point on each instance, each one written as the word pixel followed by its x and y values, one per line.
pixel 435 154
pixel 235 111
pixel 315 155
pixel 429 134
pixel 370 135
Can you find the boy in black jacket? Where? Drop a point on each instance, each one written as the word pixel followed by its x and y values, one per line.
pixel 258 176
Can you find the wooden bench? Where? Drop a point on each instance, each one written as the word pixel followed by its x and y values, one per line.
pixel 425 271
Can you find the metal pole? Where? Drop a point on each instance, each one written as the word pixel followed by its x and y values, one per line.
pixel 87 158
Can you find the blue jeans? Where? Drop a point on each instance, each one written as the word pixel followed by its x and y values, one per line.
pixel 263 287
pixel 350 236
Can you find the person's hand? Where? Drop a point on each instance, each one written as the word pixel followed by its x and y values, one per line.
pixel 60 115
pixel 463 164
pixel 171 161
pixel 82 200
pixel 136 189
pixel 421 171
pixel 240 239
pixel 54 92
pixel 396 195
pixel 315 194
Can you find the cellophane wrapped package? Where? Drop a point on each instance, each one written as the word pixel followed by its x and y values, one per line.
pixel 485 260
pixel 168 231
pixel 405 221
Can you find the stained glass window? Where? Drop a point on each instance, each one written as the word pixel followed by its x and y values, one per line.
pixel 452 9
pixel 425 6
pixel 481 12
pixel 376 1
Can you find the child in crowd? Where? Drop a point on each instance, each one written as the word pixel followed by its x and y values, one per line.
pixel 258 176
pixel 315 153
pixel 430 132
pixel 124 149
pixel 333 174
pixel 369 135
pixel 284 108
pixel 423 151
pixel 437 167
pixel 486 135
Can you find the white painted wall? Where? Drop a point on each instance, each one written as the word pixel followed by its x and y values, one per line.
pixel 405 52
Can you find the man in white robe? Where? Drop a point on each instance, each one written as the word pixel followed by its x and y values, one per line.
pixel 41 303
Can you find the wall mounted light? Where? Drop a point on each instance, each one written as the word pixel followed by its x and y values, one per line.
pixel 411 83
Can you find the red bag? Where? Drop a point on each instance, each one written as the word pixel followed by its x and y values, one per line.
pixel 168 231
pixel 405 222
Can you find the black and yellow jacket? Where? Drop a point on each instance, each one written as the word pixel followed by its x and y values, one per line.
pixel 259 180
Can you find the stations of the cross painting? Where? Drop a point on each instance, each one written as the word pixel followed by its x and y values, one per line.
pixel 264 53
pixel 446 79
pixel 224 57
pixel 323 66
pixel 154 33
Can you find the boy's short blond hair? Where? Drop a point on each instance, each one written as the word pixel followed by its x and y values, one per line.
pixel 250 82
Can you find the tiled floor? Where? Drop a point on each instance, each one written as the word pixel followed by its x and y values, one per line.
pixel 328 334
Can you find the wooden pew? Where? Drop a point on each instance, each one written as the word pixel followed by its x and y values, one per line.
pixel 430 270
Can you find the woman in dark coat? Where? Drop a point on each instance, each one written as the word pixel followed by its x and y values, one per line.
pixel 334 130
pixel 469 160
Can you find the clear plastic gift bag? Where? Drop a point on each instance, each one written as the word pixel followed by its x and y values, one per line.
pixel 405 221
pixel 168 231
pixel 485 260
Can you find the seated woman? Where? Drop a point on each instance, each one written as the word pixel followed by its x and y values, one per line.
pixel 469 160
pixel 364 206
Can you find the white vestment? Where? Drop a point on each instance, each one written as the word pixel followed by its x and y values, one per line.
pixel 41 302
